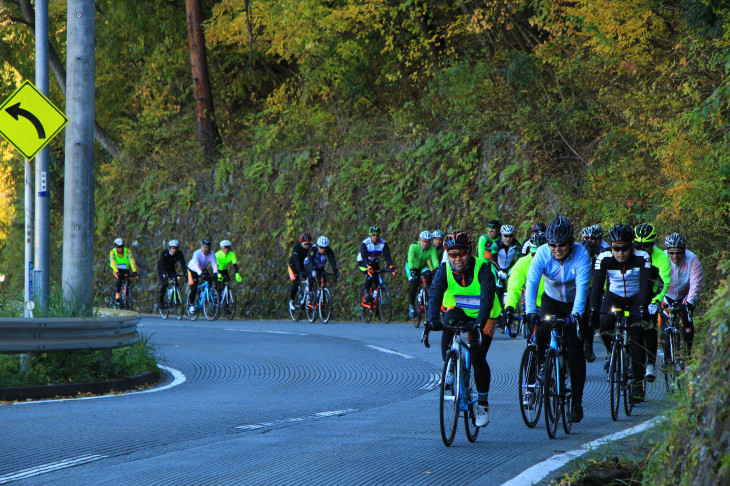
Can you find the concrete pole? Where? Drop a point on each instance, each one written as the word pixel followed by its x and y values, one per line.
pixel 42 162
pixel 78 204
pixel 28 272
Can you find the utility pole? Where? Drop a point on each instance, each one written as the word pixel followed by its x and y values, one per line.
pixel 78 203
pixel 42 162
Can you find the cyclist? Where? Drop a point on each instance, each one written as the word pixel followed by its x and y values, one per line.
pixel 196 266
pixel 585 321
pixel 422 260
pixel 225 258
pixel 518 278
pixel 166 267
pixel 368 260
pixel 627 271
pixel 537 227
pixel 566 268
pixel 659 280
pixel 319 255
pixel 438 243
pixel 121 261
pixel 597 238
pixel 299 253
pixel 686 281
pixel 504 256
pixel 488 240
pixel 466 286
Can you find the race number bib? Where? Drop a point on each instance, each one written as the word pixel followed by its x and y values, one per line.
pixel 467 301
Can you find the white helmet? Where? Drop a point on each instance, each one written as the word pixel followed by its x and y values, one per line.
pixel 323 242
pixel 172 243
pixel 424 235
pixel 119 242
pixel 507 229
pixel 225 243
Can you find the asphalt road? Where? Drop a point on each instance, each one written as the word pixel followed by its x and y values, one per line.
pixel 274 402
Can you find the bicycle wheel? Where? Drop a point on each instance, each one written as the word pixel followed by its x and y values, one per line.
pixel 614 378
pixel 530 391
pixel 566 397
pixel 165 307
pixel 297 312
pixel 188 305
pixel 366 313
pixel 127 297
pixel 385 305
pixel 627 381
pixel 680 358
pixel 229 303
pixel 210 304
pixel 449 400
pixel 325 305
pixel 552 393
pixel 514 328
pixel 420 306
pixel 469 418
pixel 177 304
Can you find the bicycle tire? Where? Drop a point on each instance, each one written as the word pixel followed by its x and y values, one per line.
pixel 614 379
pixel 566 398
pixel 530 367
pixel 228 300
pixel 472 431
pixel 421 302
pixel 325 305
pixel 449 401
pixel 188 304
pixel 127 296
pixel 310 306
pixel 551 394
pixel 514 328
pixel 165 307
pixel 628 386
pixel 385 304
pixel 366 314
pixel 297 312
pixel 177 305
pixel 210 304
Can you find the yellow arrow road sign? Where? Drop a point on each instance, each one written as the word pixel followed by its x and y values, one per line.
pixel 28 120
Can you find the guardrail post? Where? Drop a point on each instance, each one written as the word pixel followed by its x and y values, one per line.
pixel 24 363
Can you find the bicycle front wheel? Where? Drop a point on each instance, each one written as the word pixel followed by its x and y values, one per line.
pixel 325 305
pixel 627 381
pixel 210 305
pixel 469 418
pixel 530 391
pixel 552 393
pixel 310 306
pixel 614 378
pixel 449 400
pixel 191 304
pixel 385 305
pixel 127 297
pixel 297 312
pixel 164 306
pixel 566 399
pixel 229 303
pixel 366 313
pixel 177 304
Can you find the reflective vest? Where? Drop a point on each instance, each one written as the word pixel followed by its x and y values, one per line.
pixel 224 260
pixel 120 262
pixel 468 298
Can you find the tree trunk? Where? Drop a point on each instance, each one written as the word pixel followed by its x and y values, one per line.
pixel 207 130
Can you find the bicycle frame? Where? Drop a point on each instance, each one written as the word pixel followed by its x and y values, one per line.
pixel 464 359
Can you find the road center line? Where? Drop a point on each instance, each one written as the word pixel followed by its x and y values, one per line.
pixel 46 468
pixel 318 415
pixel 539 471
pixel 267 332
pixel 388 351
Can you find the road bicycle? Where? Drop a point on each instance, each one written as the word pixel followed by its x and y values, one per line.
pixel 530 385
pixel 675 345
pixel 125 294
pixel 227 306
pixel 380 300
pixel 300 301
pixel 620 371
pixel 318 300
pixel 421 301
pixel 458 391
pixel 206 299
pixel 172 298
pixel 557 392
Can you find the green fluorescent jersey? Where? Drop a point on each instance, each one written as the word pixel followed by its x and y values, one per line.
pixel 418 258
pixel 225 260
pixel 485 246
pixel 517 281
pixel 660 263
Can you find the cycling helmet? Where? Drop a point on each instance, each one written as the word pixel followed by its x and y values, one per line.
pixel 458 240
pixel 645 233
pixel 205 242
pixel 305 238
pixel 119 242
pixel 537 240
pixel 586 232
pixel 374 230
pixel 589 246
pixel 597 231
pixel 494 225
pixel 621 234
pixel 538 227
pixel 559 230
pixel 323 242
pixel 225 243
pixel 675 240
pixel 507 229
pixel 437 234
pixel 424 235
pixel 173 244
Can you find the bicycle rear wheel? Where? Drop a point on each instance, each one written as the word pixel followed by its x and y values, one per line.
pixel 325 305
pixel 177 304
pixel 127 297
pixel 552 395
pixel 310 306
pixel 229 303
pixel 614 378
pixel 628 383
pixel 297 312
pixel 210 304
pixel 530 391
pixel 567 397
pixel 469 418
pixel 385 305
pixel 188 305
pixel 449 400
pixel 165 307
pixel 366 313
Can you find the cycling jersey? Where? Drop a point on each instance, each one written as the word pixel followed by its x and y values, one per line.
pixel 478 300
pixel 525 247
pixel 686 279
pixel 660 274
pixel 565 281
pixel 627 279
pixel 166 262
pixel 317 261
pixel 505 256
pixel 125 261
pixel 485 246
pixel 517 281
pixel 296 260
pixel 418 258
pixel 370 251
pixel 199 261
pixel 225 260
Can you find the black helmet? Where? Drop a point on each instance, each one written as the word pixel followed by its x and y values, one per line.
pixel 598 231
pixel 374 230
pixel 205 241
pixel 537 240
pixel 458 240
pixel 494 225
pixel 621 233
pixel 538 227
pixel 589 246
pixel 559 230
pixel 645 233
pixel 675 240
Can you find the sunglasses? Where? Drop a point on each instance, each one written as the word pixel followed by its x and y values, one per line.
pixel 458 254
pixel 509 236
pixel 558 245
pixel 621 249
pixel 675 252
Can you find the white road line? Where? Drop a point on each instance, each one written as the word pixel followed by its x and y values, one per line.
pixel 389 351
pixel 46 468
pixel 333 413
pixel 177 375
pixel 267 332
pixel 432 383
pixel 318 415
pixel 539 471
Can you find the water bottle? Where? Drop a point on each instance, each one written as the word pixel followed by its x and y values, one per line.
pixel 169 295
pixel 375 294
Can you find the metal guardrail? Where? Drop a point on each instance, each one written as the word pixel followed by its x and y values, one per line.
pixel 43 335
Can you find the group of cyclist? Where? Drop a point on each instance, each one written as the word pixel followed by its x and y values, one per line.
pixel 307 262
